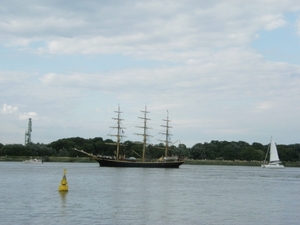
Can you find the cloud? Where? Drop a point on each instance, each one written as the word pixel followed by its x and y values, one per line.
pixel 49 78
pixel 25 116
pixel 13 110
pixel 8 109
pixel 263 106
pixel 298 27
pixel 273 21
pixel 140 30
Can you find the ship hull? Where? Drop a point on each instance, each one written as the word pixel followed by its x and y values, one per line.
pixel 273 166
pixel 120 163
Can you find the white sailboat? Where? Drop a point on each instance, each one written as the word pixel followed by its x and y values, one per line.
pixel 33 161
pixel 274 161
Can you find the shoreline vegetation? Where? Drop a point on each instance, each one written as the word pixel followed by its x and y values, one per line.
pixel 213 153
pixel 188 161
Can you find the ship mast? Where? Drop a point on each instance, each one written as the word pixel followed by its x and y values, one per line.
pixel 167 133
pixel 119 130
pixel 28 132
pixel 145 135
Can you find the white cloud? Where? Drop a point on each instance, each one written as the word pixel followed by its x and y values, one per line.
pixel 143 30
pixel 272 22
pixel 263 106
pixel 25 116
pixel 48 78
pixel 14 110
pixel 8 109
pixel 298 27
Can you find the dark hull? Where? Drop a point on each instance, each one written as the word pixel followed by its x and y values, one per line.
pixel 120 163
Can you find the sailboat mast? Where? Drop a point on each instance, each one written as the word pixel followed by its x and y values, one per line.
pixel 118 134
pixel 119 128
pixel 267 153
pixel 145 132
pixel 167 133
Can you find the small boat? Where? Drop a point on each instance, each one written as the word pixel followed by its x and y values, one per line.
pixel 33 161
pixel 274 161
pixel 119 160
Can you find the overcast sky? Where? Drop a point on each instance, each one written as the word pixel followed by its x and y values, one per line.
pixel 224 70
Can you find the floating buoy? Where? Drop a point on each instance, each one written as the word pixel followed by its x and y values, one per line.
pixel 64 183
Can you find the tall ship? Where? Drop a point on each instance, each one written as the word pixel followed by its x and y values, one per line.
pixel 119 160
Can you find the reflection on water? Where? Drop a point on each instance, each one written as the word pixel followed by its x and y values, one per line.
pixel 63 197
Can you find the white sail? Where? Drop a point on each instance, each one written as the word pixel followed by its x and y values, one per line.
pixel 274 161
pixel 273 152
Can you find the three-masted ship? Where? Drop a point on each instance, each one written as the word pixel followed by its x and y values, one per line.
pixel 119 160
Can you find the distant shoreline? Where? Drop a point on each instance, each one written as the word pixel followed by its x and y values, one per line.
pixel 188 162
pixel 47 159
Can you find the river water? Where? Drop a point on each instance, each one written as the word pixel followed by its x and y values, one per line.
pixel 192 194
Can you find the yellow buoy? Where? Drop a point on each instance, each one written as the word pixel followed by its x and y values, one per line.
pixel 64 183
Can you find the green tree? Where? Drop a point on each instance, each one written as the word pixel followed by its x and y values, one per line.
pixel 250 153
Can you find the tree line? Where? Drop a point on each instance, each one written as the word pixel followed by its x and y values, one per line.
pixel 222 150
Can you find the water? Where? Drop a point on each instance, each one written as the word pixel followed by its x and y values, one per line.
pixel 192 194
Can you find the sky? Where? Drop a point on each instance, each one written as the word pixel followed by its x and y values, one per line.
pixel 221 70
